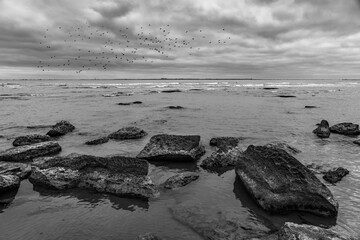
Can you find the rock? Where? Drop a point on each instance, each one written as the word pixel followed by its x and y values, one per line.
pixel 345 128
pixel 335 175
pixel 9 183
pixel 97 141
pixel 175 107
pixel 226 142
pixel 61 128
pixel 310 106
pixel 180 180
pixel 222 158
pixel 121 176
pixel 21 170
pixel 286 96
pixel 281 145
pixel 293 231
pixel 129 103
pixel 128 133
pixel 166 147
pixel 148 236
pixel 357 142
pixel 219 225
pixel 28 152
pixel 30 139
pixel 279 183
pixel 270 88
pixel 171 91
pixel 322 131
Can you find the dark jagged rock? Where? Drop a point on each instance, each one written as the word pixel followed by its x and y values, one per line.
pixel 30 139
pixel 219 225
pixel 180 180
pixel 284 146
pixel 310 106
pixel 286 96
pixel 166 147
pixel 322 131
pixel 129 103
pixel 224 142
pixel 357 142
pixel 279 183
pixel 296 231
pixel 345 128
pixel 335 175
pixel 61 128
pixel 148 236
pixel 175 107
pixel 128 133
pixel 121 176
pixel 9 183
pixel 21 170
pixel 98 141
pixel 171 91
pixel 29 152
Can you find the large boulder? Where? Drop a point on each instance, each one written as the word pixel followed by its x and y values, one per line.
pixel 180 180
pixel 28 152
pixel 322 131
pixel 30 139
pixel 122 176
pixel 61 128
pixel 128 133
pixel 293 231
pixel 166 147
pixel 278 183
pixel 345 128
pixel 22 170
pixel 8 183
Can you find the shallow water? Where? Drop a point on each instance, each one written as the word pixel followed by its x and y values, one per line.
pixel 211 108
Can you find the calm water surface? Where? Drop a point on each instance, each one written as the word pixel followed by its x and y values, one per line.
pixel 211 108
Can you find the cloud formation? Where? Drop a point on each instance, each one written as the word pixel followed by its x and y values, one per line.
pixel 185 38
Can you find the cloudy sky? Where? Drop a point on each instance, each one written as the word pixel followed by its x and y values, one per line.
pixel 179 39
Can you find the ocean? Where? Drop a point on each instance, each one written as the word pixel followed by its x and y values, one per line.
pixel 250 109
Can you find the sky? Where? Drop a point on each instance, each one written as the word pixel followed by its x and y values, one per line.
pixel 284 39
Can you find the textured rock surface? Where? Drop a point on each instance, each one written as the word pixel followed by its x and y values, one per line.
pixel 117 175
pixel 180 180
pixel 28 152
pixel 148 236
pixel 9 183
pixel 21 170
pixel 97 141
pixel 284 146
pixel 222 158
pixel 30 139
pixel 166 147
pixel 345 128
pixel 279 183
pixel 128 133
pixel 335 175
pixel 224 142
pixel 61 128
pixel 322 131
pixel 293 231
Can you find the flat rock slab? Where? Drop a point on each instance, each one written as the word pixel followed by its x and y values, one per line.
pixel 335 175
pixel 29 152
pixel 30 139
pixel 97 141
pixel 279 183
pixel 166 147
pixel 128 133
pixel 345 128
pixel 117 175
pixel 61 128
pixel 22 170
pixel 293 231
pixel 323 130
pixel 8 183
pixel 180 180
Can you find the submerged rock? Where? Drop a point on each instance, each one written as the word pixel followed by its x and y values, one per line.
pixel 175 107
pixel 222 158
pixel 279 183
pixel 357 142
pixel 345 128
pixel 21 170
pixel 148 236
pixel 28 152
pixel 129 103
pixel 293 231
pixel 166 147
pixel 180 180
pixel 335 175
pixel 128 133
pixel 121 176
pixel 322 131
pixel 224 142
pixel 97 141
pixel 9 183
pixel 286 96
pixel 30 139
pixel 61 128
pixel 311 107
pixel 171 91
pixel 284 146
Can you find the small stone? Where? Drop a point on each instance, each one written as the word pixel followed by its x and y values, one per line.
pixel 310 107
pixel 61 128
pixel 286 96
pixel 175 107
pixel 97 141
pixel 322 131
pixel 128 133
pixel 171 91
pixel 335 175
pixel 148 236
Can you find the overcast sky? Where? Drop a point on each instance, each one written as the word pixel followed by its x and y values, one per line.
pixel 181 39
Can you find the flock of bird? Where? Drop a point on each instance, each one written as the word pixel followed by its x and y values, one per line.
pixel 87 47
